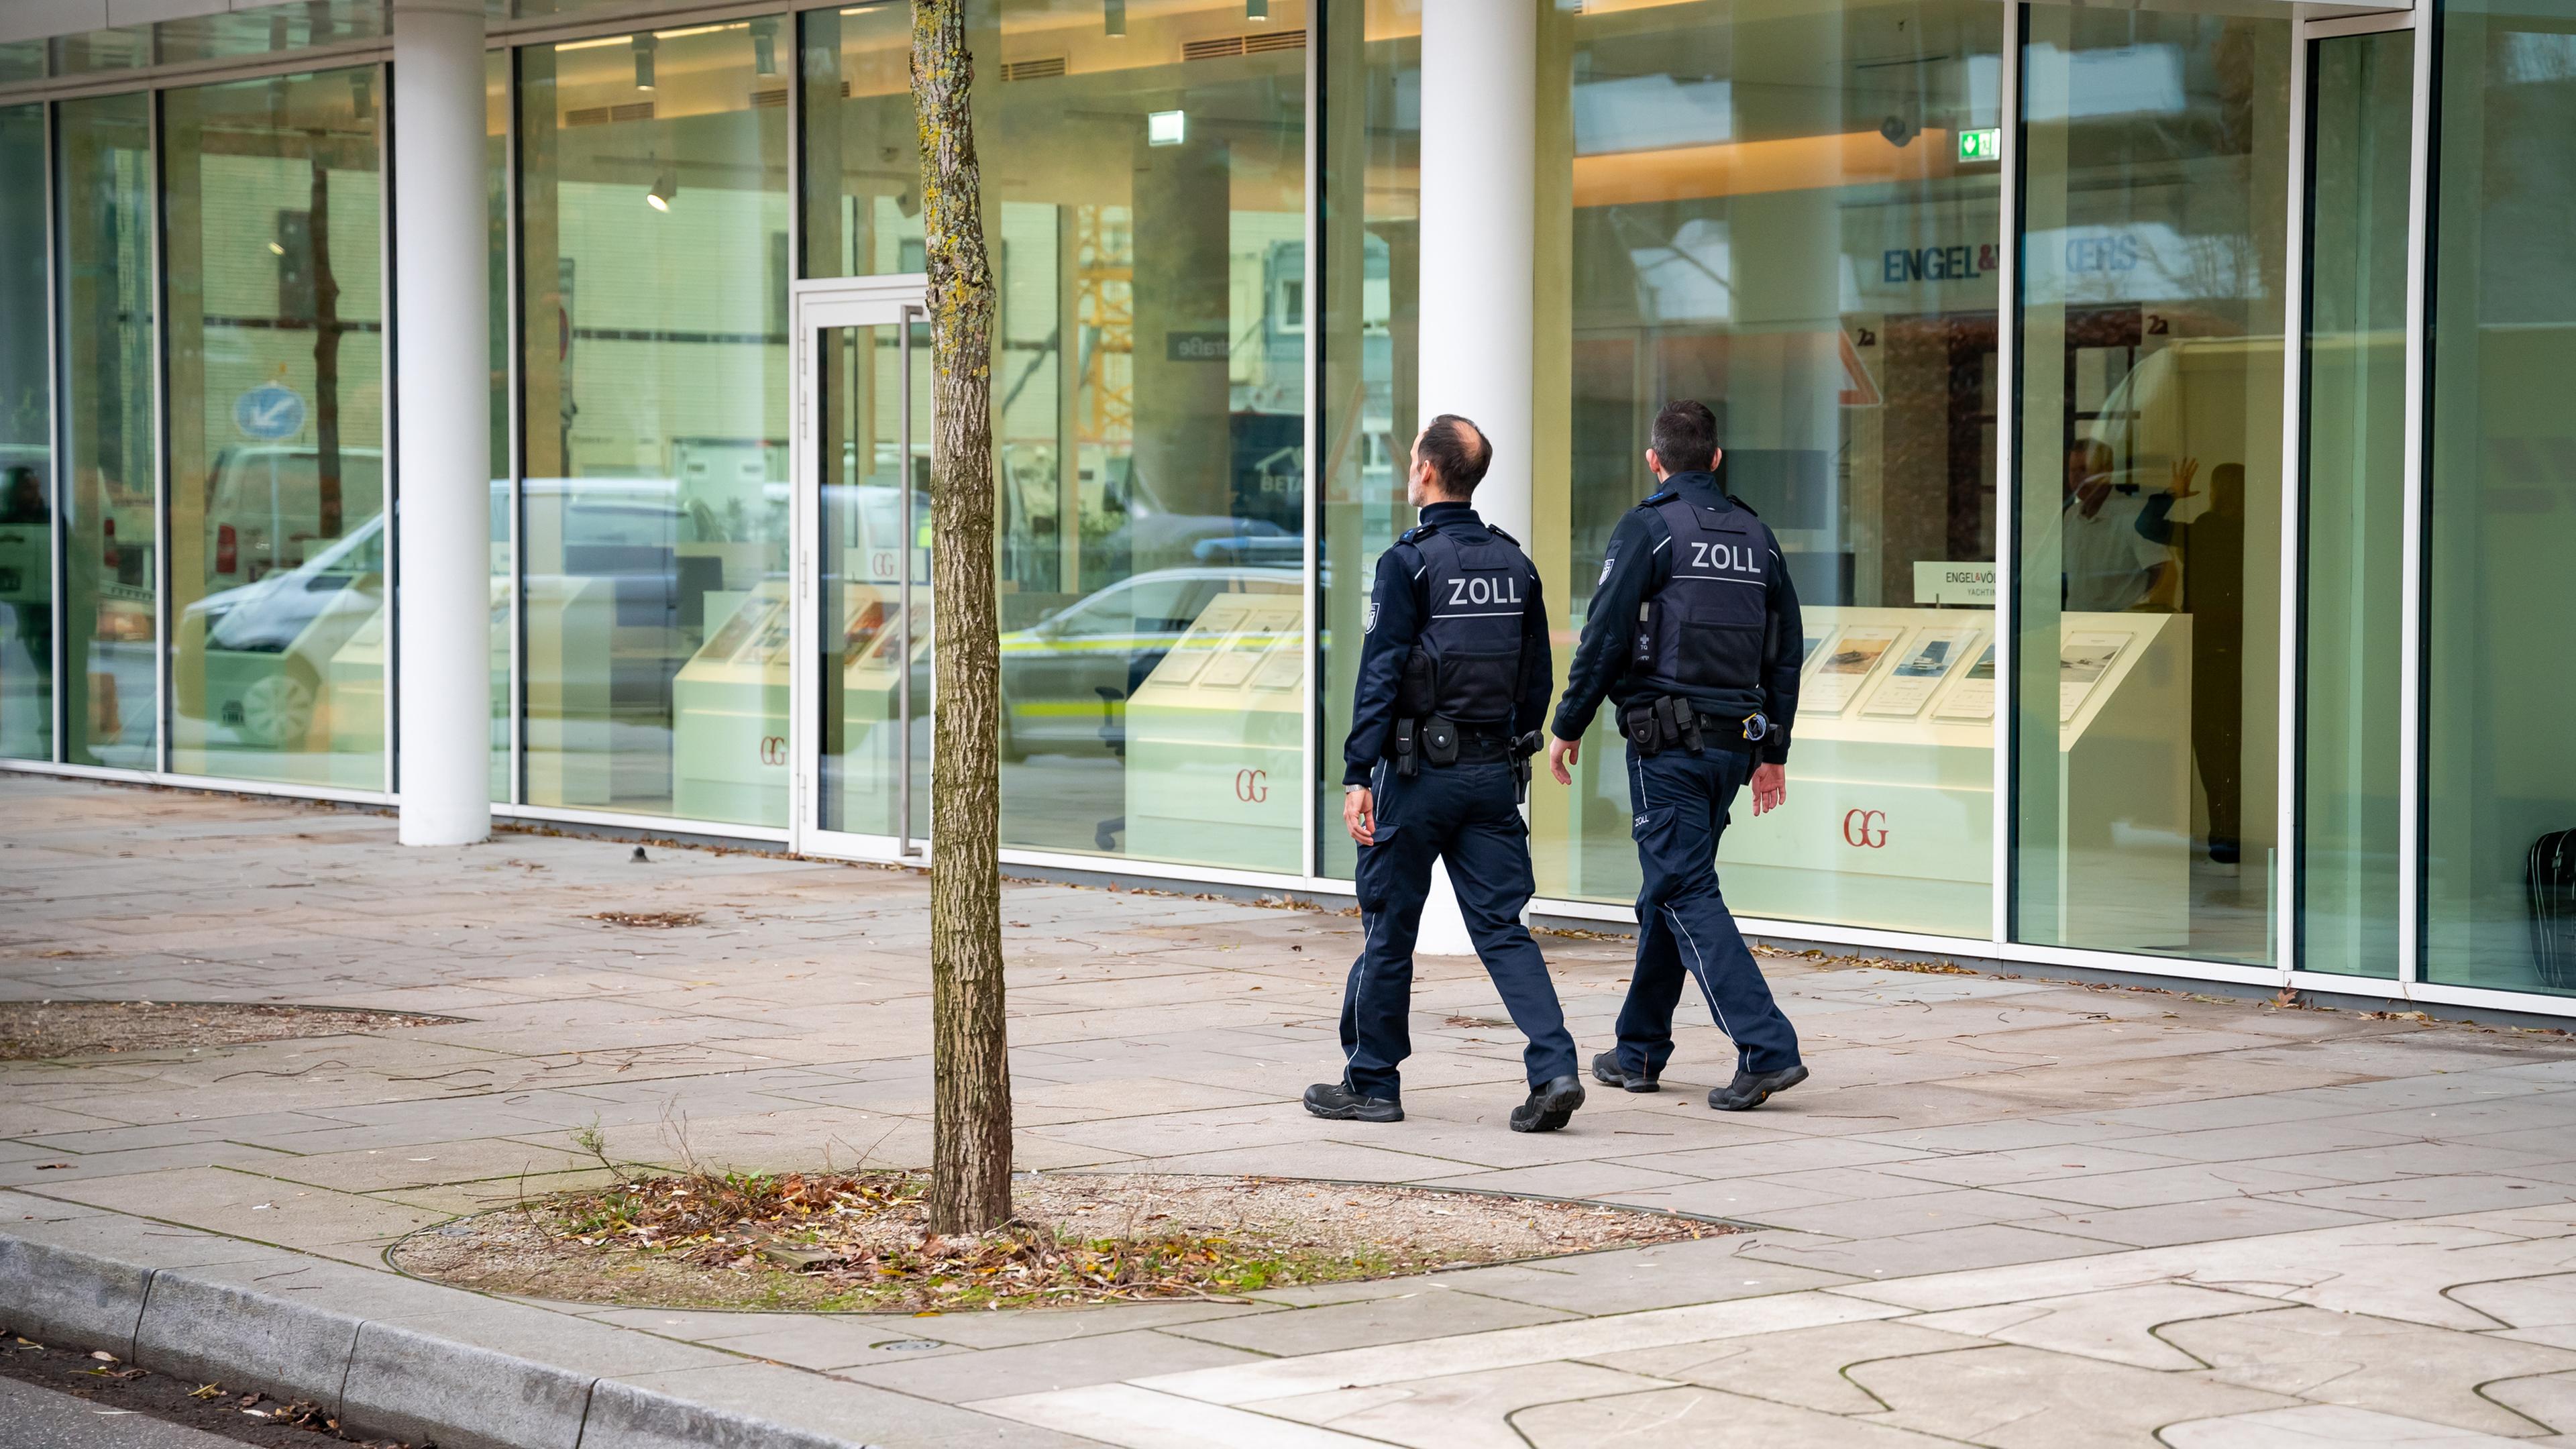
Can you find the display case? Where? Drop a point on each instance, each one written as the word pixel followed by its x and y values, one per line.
pixel 729 712
pixel 1890 816
pixel 1214 738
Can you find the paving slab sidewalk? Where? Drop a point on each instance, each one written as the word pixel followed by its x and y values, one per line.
pixel 2005 1212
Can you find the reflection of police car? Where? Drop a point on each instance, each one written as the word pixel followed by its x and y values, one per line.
pixel 254 658
pixel 1065 679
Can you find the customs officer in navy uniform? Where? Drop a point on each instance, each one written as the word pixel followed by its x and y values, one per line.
pixel 1453 687
pixel 1694 637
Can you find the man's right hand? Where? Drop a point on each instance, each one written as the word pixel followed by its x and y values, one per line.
pixel 1560 755
pixel 1359 814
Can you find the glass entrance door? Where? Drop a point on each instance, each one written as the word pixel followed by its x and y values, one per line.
pixel 860 617
pixel 2351 446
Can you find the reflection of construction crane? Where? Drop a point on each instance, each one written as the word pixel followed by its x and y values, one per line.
pixel 1104 309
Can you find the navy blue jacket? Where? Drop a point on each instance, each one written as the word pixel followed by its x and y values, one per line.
pixel 1637 567
pixel 1396 610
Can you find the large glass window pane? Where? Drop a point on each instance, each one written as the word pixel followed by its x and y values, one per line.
pixel 1790 214
pixel 654 268
pixel 1145 186
pixel 111 600
pixel 2498 692
pixel 2360 146
pixel 1370 312
pixel 496 142
pixel 2150 480
pixel 277 446
pixel 26 446
pixel 875 628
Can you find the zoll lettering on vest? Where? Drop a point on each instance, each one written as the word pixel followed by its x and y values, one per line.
pixel 1504 589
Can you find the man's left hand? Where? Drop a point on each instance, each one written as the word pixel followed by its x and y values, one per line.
pixel 1770 788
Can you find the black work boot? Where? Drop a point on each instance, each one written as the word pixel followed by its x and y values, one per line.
pixel 1549 1107
pixel 1751 1089
pixel 1338 1102
pixel 1607 1071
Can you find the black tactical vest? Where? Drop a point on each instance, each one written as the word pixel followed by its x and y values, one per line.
pixel 1476 585
pixel 1706 636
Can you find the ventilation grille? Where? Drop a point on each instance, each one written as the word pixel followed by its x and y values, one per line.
pixel 1020 70
pixel 769 100
pixel 1258 43
pixel 607 115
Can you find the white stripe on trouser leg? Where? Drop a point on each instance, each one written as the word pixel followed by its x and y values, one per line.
pixel 1359 997
pixel 1368 934
pixel 1701 975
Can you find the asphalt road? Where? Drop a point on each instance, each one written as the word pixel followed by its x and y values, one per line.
pixel 34 1418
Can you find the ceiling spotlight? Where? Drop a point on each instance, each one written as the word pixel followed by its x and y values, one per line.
pixel 764 47
pixel 1113 18
pixel 644 61
pixel 666 188
pixel 1256 9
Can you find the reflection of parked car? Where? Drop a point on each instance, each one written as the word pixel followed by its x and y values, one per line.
pixel 1065 679
pixel 254 657
pixel 266 508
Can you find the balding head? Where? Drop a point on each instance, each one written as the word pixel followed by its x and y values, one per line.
pixel 1449 460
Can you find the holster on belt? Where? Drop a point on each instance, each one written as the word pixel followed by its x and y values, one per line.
pixel 1643 730
pixel 1523 746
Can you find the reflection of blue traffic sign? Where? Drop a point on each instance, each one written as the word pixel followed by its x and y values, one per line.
pixel 269 412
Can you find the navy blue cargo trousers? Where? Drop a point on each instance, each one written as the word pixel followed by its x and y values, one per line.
pixel 1684 931
pixel 1467 816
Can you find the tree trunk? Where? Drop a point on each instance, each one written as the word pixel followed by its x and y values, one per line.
pixel 970 1173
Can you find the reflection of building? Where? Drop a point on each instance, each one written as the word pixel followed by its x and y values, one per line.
pixel 2168 554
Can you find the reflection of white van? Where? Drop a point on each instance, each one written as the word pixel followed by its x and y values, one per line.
pixel 264 508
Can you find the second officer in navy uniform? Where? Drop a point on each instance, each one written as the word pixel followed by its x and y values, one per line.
pixel 1694 636
pixel 1453 685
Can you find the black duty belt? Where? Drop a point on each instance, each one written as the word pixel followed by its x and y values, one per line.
pixel 1656 725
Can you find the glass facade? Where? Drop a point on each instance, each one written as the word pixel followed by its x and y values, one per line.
pixel 653 270
pixel 26 445
pixel 1146 210
pixel 272 259
pixel 2354 499
pixel 1368 306
pixel 1770 213
pixel 107 477
pixel 2146 651
pixel 1969 304
pixel 2501 504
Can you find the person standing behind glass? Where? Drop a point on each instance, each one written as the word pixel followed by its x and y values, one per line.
pixel 1453 687
pixel 1694 634
pixel 2212 550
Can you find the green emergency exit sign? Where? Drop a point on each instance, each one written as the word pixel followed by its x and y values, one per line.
pixel 1981 145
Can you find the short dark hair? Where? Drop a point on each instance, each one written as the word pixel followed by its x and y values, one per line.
pixel 1460 463
pixel 1685 437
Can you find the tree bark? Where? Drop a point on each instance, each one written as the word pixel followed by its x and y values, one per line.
pixel 970 1174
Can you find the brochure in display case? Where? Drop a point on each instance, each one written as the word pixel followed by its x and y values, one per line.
pixel 1838 670
pixel 1973 698
pixel 1213 737
pixel 1930 656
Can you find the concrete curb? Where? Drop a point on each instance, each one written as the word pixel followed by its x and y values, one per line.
pixel 377 1377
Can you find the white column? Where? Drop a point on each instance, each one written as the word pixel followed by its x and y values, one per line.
pixel 1479 239
pixel 1479 232
pixel 442 375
